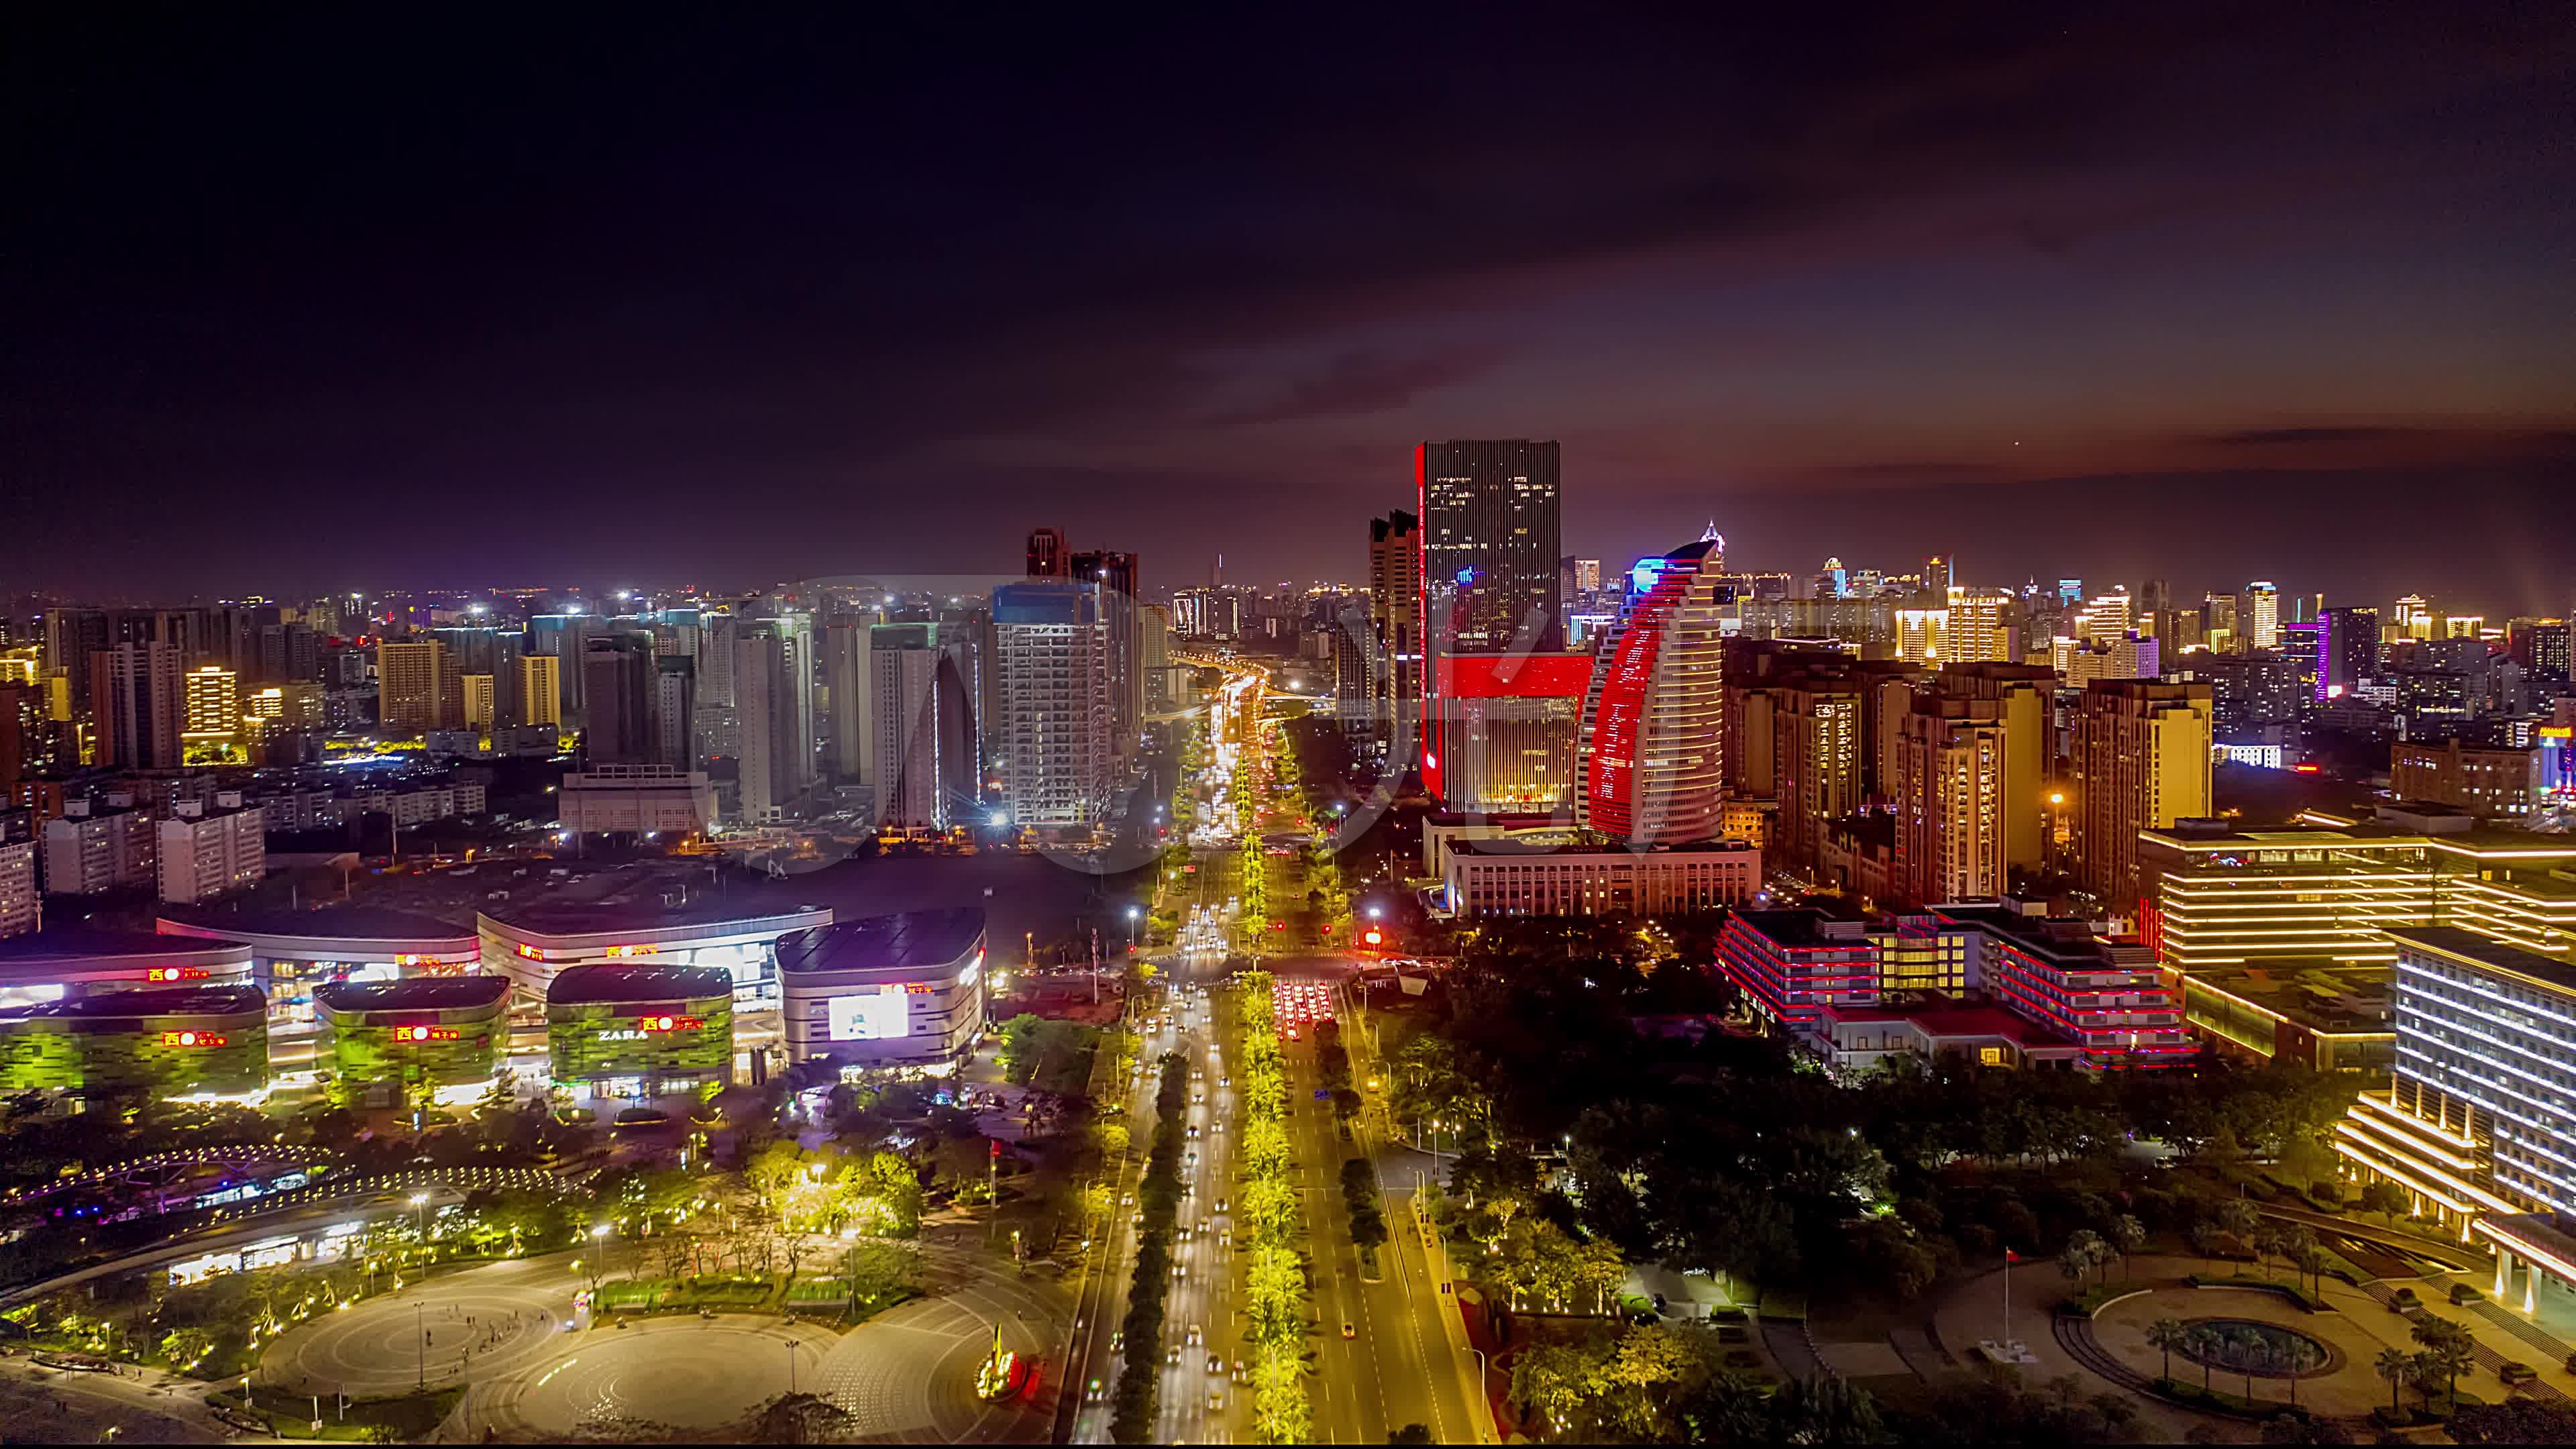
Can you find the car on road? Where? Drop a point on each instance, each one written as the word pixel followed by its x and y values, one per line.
pixel 1194 1336
pixel 1172 1356
pixel 1092 1392
pixel 1117 1340
pixel 1349 1332
pixel 1220 1204
pixel 1216 1365
pixel 1216 1401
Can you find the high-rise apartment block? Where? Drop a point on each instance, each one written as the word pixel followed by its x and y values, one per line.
pixel 773 683
pixel 1950 799
pixel 1115 574
pixel 924 729
pixel 848 676
pixel 1395 622
pixel 2141 762
pixel 1979 628
pixel 22 908
pixel 2025 698
pixel 1056 714
pixel 89 850
pixel 540 690
pixel 1649 764
pixel 207 853
pixel 418 687
pixel 138 708
pixel 618 688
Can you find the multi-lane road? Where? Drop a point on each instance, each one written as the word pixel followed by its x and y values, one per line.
pixel 1404 1361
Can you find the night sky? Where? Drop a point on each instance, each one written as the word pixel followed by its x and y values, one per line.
pixel 299 300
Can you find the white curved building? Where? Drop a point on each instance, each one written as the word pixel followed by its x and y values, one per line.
pixel 1649 759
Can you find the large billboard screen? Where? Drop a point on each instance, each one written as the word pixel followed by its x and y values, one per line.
pixel 879 1015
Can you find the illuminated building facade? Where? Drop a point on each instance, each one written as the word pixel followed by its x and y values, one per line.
pixel 2284 900
pixel 213 706
pixel 2488 782
pixel 1395 622
pixel 924 734
pixel 1950 799
pixel 207 853
pixel 1816 759
pixel 22 906
pixel 531 943
pixel 2478 1117
pixel 1490 583
pixel 540 689
pixel 89 850
pixel 2262 614
pixel 641 1031
pixel 418 687
pixel 904 990
pixel 1979 627
pixel 392 1040
pixel 291 953
pixel 2141 757
pixel 2107 997
pixel 166 1041
pixel 2012 988
pixel 1057 716
pixel 2347 650
pixel 1484 878
pixel 1649 761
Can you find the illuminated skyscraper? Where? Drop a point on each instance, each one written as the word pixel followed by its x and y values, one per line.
pixel 1950 799
pixel 926 764
pixel 1649 765
pixel 1115 573
pixel 1977 631
pixel 2262 614
pixel 2347 650
pixel 418 687
pixel 2141 756
pixel 1395 621
pixel 1500 695
pixel 1056 715
pixel 1921 635
pixel 540 689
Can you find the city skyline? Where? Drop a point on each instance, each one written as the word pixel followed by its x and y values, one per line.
pixel 2252 293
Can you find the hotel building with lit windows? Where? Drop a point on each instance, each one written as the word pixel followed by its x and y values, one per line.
pixel 1648 761
pixel 2279 941
pixel 2479 1122
pixel 1846 989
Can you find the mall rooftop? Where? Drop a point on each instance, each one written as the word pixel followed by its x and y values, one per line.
pixel 903 941
pixel 585 985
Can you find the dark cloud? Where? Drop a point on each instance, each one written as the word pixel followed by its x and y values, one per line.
pixel 1358 382
pixel 2267 437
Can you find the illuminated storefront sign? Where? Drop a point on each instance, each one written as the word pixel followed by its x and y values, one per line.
pixel 192 1039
